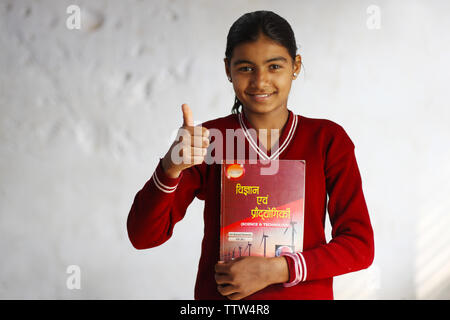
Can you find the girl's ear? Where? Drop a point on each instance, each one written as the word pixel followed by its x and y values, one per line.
pixel 227 70
pixel 297 65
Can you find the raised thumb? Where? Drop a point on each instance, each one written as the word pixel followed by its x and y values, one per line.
pixel 188 120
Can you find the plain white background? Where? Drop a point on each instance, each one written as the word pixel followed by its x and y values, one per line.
pixel 86 114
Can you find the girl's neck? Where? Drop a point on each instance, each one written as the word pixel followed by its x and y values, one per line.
pixel 275 119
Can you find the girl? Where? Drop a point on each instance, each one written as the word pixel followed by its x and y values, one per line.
pixel 261 63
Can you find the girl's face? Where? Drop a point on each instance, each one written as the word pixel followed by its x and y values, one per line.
pixel 262 68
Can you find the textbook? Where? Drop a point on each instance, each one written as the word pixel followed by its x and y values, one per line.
pixel 262 208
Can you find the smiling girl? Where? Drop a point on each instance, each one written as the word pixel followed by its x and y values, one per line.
pixel 261 63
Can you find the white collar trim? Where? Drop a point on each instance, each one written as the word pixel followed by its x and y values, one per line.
pixel 258 150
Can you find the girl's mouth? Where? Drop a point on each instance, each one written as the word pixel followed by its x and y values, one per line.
pixel 261 97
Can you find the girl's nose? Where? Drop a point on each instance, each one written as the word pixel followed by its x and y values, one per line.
pixel 259 79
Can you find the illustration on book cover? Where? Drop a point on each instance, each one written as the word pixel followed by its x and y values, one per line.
pixel 261 214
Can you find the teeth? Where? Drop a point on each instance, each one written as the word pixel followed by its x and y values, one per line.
pixel 261 95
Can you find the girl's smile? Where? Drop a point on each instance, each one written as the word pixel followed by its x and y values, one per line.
pixel 260 97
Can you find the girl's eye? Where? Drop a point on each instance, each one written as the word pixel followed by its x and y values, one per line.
pixel 244 68
pixel 273 66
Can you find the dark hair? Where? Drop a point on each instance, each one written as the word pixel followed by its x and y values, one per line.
pixel 248 28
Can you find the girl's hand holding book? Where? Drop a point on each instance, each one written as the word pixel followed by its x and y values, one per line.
pixel 244 276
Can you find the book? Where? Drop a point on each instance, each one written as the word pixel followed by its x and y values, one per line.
pixel 262 212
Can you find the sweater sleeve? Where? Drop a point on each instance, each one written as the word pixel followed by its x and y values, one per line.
pixel 160 204
pixel 352 246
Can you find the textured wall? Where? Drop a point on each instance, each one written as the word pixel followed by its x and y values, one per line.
pixel 85 115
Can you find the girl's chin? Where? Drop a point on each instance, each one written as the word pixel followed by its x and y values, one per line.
pixel 260 108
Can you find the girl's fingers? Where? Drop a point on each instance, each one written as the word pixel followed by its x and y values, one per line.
pixel 190 152
pixel 222 279
pixel 199 131
pixel 193 140
pixel 193 160
pixel 235 296
pixel 221 267
pixel 191 147
pixel 227 290
pixel 198 141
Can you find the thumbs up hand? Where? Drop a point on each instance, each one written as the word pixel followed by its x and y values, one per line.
pixel 189 149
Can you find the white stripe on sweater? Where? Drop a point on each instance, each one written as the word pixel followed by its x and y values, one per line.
pixel 250 139
pixel 299 268
pixel 161 186
pixel 288 138
pixel 302 259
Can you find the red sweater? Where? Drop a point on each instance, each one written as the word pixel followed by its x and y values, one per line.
pixel 331 169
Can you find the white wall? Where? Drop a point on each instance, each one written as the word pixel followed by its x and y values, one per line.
pixel 85 115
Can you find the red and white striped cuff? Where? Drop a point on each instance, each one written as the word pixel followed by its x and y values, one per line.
pixel 162 181
pixel 299 266
pixel 161 186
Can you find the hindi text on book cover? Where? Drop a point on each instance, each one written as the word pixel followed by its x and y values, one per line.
pixel 261 214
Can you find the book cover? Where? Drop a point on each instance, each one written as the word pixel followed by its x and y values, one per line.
pixel 261 214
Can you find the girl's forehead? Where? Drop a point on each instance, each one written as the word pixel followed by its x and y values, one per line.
pixel 260 50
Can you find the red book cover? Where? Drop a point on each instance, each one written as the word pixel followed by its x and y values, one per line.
pixel 262 208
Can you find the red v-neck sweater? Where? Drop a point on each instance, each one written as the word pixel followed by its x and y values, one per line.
pixel 331 169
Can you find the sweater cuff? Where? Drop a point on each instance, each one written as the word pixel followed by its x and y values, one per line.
pixel 163 182
pixel 297 268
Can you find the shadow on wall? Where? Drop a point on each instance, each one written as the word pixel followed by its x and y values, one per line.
pixel 432 276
